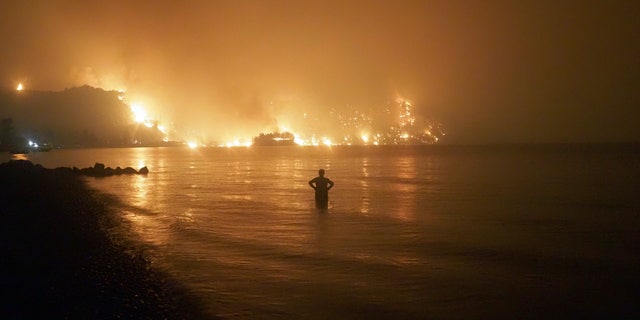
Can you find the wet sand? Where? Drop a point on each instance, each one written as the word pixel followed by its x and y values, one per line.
pixel 59 259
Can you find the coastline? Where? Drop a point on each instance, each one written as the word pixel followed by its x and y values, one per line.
pixel 61 261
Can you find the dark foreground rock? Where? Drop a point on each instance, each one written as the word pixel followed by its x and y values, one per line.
pixel 99 170
pixel 58 259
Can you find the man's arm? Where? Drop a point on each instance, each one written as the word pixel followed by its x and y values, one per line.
pixel 330 184
pixel 311 183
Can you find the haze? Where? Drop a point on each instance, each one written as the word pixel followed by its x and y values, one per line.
pixel 489 71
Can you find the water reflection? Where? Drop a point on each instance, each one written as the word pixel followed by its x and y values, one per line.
pixel 364 185
pixel 187 216
pixel 140 191
pixel 406 188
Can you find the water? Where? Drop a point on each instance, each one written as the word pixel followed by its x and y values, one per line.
pixel 410 232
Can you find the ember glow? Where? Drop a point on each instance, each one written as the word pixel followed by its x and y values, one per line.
pixel 237 143
pixel 20 87
pixel 391 125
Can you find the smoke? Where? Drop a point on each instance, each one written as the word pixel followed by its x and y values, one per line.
pixel 225 69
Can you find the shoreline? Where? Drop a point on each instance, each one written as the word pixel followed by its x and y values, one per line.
pixel 61 261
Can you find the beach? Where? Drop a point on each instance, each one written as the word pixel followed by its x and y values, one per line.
pixel 61 261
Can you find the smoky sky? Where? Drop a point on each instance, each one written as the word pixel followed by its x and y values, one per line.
pixel 489 71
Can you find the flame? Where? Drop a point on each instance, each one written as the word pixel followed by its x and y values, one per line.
pixel 397 124
pixel 298 140
pixel 139 114
pixel 20 87
pixel 351 126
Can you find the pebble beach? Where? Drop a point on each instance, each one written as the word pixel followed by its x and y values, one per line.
pixel 59 259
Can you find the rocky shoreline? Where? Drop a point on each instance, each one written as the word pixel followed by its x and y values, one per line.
pixel 99 170
pixel 59 259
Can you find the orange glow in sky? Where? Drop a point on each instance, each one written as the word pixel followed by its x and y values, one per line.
pixel 496 71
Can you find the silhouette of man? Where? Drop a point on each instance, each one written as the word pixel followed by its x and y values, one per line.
pixel 322 186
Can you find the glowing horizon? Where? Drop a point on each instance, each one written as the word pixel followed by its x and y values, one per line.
pixel 390 124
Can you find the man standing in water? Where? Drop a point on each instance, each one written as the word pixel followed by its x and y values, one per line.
pixel 322 186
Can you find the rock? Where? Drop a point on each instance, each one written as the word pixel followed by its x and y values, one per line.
pixel 64 170
pixel 98 170
pixel 98 166
pixel 87 171
pixel 129 170
pixel 108 171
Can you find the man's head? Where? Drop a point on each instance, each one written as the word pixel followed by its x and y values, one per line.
pixel 321 172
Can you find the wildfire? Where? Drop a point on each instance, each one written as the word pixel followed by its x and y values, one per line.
pixel 139 114
pixel 392 124
pixel 396 124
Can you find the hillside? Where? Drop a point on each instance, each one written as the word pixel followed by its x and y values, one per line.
pixel 75 117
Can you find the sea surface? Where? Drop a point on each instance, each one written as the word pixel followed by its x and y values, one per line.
pixel 411 232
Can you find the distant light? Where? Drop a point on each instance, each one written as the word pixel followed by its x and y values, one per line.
pixel 192 144
pixel 237 143
pixel 365 138
pixel 20 87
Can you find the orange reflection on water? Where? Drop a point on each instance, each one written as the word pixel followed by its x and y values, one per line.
pixel 141 190
pixel 146 211
pixel 364 184
pixel 146 197
pixel 405 188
